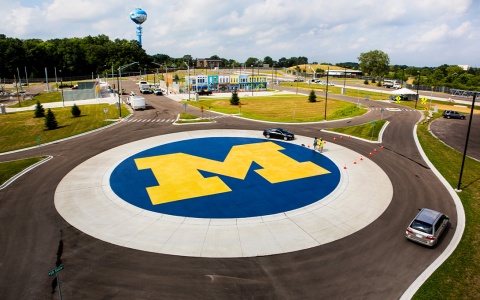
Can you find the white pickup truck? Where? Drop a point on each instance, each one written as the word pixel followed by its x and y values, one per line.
pixel 392 85
pixel 137 102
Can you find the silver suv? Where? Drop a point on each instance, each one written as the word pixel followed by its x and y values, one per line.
pixel 427 227
pixel 452 114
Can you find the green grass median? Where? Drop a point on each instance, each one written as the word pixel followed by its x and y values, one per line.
pixel 459 276
pixel 285 108
pixel 21 130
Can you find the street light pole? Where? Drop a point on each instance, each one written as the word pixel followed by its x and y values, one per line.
pixel 326 93
pixel 19 79
pixel 418 85
pixel 61 87
pixel 188 86
pixel 26 76
pixel 120 90
pixel 251 81
pixel 466 142
pixel 56 81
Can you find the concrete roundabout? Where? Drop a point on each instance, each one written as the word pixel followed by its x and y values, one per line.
pixel 223 193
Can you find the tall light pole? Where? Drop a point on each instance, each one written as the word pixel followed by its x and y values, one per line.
pixel 251 81
pixel 166 77
pixel 19 79
pixel 273 66
pixel 26 76
pixel 466 142
pixel 61 87
pixel 188 86
pixel 418 86
pixel 56 81
pixel 326 93
pixel 120 90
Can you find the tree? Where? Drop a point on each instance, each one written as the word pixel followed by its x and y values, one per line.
pixel 375 63
pixel 312 97
pixel 251 61
pixel 50 120
pixel 39 110
pixel 235 100
pixel 76 112
pixel 268 60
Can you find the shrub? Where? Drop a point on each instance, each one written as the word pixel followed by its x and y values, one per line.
pixel 373 80
pixel 235 100
pixel 312 97
pixel 50 121
pixel 379 83
pixel 39 110
pixel 366 81
pixel 76 112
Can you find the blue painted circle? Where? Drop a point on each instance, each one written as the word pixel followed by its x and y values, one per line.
pixel 252 197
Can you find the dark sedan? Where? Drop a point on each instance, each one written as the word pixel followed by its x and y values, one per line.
pixel 278 133
pixel 204 93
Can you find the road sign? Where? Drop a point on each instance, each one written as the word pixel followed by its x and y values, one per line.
pixel 398 98
pixel 56 270
pixel 424 100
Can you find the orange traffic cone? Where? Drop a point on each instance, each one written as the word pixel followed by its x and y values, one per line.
pixel 345 167
pixel 370 154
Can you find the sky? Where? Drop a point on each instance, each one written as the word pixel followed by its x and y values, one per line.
pixel 412 32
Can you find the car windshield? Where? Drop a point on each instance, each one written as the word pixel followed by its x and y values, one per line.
pixel 421 226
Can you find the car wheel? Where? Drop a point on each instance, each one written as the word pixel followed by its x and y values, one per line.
pixel 463 118
pixel 448 117
pixel 285 138
pixel 267 136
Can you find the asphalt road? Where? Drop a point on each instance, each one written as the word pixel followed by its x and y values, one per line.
pixel 453 132
pixel 375 263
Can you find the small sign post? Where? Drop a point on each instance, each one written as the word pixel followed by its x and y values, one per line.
pixel 105 110
pixel 55 272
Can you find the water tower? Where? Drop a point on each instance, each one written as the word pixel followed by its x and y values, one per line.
pixel 138 16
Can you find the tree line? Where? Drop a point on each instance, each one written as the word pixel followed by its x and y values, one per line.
pixel 98 55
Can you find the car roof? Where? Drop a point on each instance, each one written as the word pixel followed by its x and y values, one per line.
pixel 428 215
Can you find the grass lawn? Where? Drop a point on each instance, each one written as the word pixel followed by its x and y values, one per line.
pixel 281 108
pixel 20 130
pixel 459 276
pixel 360 94
pixel 367 131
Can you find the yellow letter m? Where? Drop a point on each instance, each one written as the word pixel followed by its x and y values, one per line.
pixel 179 177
